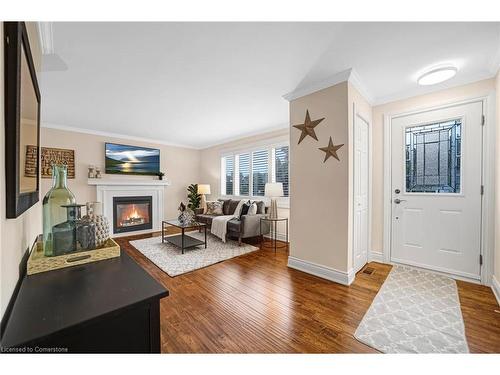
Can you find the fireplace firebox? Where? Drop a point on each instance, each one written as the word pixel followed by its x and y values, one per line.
pixel 132 214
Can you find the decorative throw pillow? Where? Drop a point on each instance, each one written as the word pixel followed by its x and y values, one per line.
pixel 253 209
pixel 244 209
pixel 225 205
pixel 214 208
pixel 237 211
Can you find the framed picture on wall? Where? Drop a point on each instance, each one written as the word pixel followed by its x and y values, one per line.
pixel 51 156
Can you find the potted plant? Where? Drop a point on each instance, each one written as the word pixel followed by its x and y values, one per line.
pixel 160 175
pixel 193 197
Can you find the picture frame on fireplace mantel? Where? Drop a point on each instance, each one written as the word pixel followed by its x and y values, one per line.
pixel 22 121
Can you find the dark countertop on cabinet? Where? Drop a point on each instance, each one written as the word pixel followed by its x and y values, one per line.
pixel 57 300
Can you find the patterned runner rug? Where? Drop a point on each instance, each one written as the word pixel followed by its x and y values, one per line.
pixel 169 258
pixel 414 312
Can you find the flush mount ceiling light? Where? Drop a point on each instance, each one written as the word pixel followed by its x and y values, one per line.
pixel 437 75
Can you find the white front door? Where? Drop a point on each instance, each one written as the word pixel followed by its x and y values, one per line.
pixel 436 189
pixel 361 181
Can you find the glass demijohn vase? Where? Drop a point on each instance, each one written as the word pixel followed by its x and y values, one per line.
pixel 65 234
pixel 53 212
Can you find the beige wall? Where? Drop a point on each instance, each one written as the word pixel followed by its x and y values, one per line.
pixel 180 165
pixel 210 164
pixel 28 136
pixel 16 235
pixel 319 201
pixel 476 89
pixel 497 184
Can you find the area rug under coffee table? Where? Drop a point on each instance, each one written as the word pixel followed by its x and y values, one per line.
pixel 169 258
pixel 414 312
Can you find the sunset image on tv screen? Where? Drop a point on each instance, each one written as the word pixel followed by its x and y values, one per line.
pixel 132 159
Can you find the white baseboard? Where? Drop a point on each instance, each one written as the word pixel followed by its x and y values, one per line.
pixel 279 236
pixel 376 256
pixel 495 287
pixel 341 277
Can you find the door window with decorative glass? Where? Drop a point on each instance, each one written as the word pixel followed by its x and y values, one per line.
pixel 433 157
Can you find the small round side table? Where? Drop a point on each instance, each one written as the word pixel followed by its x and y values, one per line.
pixel 273 232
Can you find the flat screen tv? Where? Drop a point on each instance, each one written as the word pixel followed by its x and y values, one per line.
pixel 124 159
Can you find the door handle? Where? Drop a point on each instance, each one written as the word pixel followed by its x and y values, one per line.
pixel 398 201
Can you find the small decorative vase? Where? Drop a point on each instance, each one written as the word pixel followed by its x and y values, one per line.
pixel 101 230
pixel 181 218
pixel 91 172
pixel 94 213
pixel 65 234
pixel 53 211
pixel 188 216
pixel 85 233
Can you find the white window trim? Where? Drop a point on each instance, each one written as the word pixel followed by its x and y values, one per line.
pixel 270 145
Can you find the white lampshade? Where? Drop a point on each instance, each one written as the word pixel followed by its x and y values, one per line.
pixel 273 189
pixel 203 189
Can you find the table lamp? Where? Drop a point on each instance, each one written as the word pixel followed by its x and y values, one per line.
pixel 202 190
pixel 273 190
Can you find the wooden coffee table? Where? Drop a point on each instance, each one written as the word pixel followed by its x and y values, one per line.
pixel 183 240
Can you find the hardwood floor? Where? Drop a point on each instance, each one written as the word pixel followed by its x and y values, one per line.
pixel 256 304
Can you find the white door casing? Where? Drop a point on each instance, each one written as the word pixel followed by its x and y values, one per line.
pixel 438 230
pixel 361 192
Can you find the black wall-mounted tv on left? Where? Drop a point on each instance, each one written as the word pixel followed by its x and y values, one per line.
pixel 125 159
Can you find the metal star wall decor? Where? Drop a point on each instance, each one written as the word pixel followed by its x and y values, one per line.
pixel 331 150
pixel 307 127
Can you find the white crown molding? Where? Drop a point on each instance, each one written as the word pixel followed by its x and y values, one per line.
pixel 48 125
pixel 112 135
pixel 495 287
pixel 341 277
pixel 46 37
pixel 431 89
pixel 495 64
pixel 271 141
pixel 353 77
pixel 317 86
pixel 349 75
pixel 357 82
pixel 283 127
pixel 495 61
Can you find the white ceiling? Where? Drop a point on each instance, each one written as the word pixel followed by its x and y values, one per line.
pixel 199 84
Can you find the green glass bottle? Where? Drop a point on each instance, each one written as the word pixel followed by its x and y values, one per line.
pixel 53 212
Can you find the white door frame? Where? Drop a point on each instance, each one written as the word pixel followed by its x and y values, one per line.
pixel 370 187
pixel 488 181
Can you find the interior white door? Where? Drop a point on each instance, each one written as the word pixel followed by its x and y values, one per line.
pixel 361 182
pixel 436 189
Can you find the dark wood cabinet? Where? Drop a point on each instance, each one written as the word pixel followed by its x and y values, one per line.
pixel 111 306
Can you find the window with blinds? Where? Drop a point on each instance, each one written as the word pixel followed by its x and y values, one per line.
pixel 244 174
pixel 281 167
pixel 260 171
pixel 229 175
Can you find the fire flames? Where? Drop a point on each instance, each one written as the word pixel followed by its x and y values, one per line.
pixel 133 214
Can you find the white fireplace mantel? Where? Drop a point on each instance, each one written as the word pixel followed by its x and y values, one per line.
pixel 107 189
pixel 127 182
